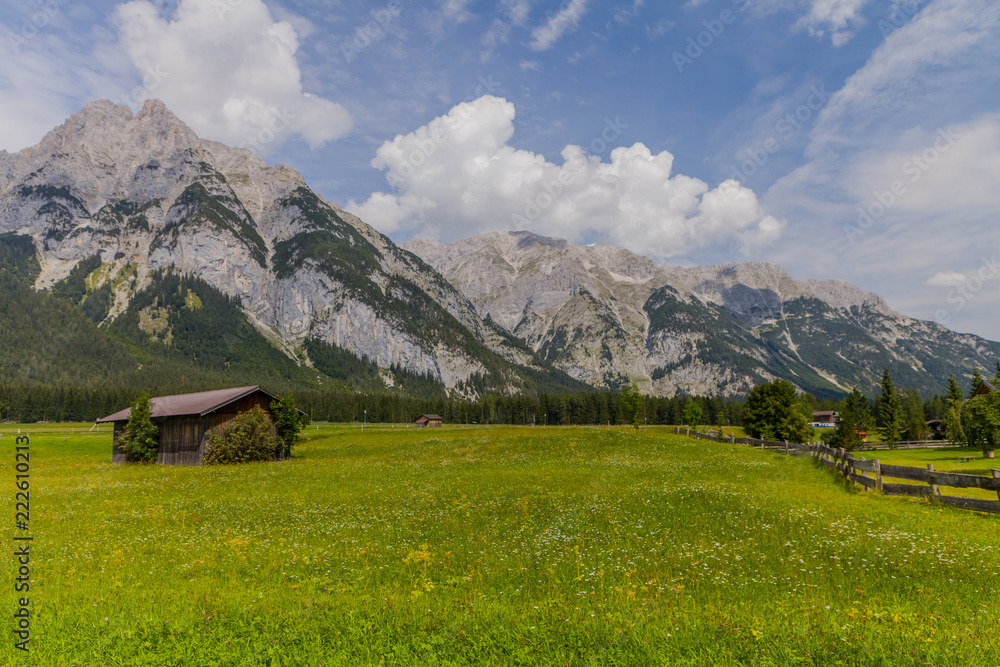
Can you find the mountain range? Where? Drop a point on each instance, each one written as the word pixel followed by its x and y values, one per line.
pixel 143 251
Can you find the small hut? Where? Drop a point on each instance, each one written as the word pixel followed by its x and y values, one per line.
pixel 184 420
pixel 825 419
pixel 432 421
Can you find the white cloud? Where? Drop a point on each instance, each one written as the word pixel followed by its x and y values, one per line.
pixel 935 74
pixel 231 72
pixel 837 18
pixel 456 10
pixel 947 279
pixel 459 176
pixel 515 14
pixel 949 46
pixel 565 21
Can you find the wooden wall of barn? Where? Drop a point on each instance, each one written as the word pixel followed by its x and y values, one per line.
pixel 183 439
pixel 117 455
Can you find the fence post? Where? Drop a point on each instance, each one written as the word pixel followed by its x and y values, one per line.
pixel 786 448
pixel 934 489
pixel 878 475
pixel 996 475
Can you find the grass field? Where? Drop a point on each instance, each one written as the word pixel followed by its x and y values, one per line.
pixel 492 546
pixel 945 460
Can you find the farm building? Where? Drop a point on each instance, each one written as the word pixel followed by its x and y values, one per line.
pixel 428 421
pixel 184 420
pixel 825 418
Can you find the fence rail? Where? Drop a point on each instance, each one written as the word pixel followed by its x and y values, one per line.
pixel 858 470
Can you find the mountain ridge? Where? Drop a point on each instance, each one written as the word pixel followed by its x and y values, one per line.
pixel 113 202
pixel 774 324
pixel 144 193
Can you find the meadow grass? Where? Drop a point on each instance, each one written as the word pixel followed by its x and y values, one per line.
pixel 944 459
pixel 493 546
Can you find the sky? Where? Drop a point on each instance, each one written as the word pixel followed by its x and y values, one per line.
pixel 856 140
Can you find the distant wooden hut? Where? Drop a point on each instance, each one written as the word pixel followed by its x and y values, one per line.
pixel 184 420
pixel 432 421
pixel 825 418
pixel 983 389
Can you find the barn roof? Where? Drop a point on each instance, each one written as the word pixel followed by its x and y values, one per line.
pixel 181 405
pixel 432 417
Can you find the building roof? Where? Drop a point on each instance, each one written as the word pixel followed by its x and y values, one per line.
pixel 984 384
pixel 432 417
pixel 824 413
pixel 199 404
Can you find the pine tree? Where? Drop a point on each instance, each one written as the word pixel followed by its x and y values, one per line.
pixel 977 379
pixel 140 441
pixel 854 416
pixel 890 410
pixel 954 391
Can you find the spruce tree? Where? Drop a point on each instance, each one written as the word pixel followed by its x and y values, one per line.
pixel 140 441
pixel 854 416
pixel 890 410
pixel 977 379
pixel 954 391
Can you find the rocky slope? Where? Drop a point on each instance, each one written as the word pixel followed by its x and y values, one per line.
pixel 607 316
pixel 142 193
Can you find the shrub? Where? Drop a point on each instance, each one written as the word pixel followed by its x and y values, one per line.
pixel 140 441
pixel 250 436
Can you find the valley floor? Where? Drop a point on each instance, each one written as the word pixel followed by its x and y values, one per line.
pixel 491 546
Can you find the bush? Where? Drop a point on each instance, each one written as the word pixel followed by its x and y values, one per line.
pixel 250 436
pixel 140 441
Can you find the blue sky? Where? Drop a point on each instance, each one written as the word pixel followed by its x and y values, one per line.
pixel 848 139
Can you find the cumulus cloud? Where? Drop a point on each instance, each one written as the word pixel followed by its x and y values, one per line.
pixel 565 21
pixel 459 176
pixel 230 71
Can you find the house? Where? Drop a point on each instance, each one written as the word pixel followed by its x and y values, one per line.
pixel 184 420
pixel 432 421
pixel 825 419
pixel 936 428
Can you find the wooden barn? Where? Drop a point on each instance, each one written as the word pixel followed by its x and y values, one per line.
pixel 431 421
pixel 184 420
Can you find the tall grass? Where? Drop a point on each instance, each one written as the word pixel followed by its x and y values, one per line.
pixel 495 546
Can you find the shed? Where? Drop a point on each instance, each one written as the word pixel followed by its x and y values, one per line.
pixel 185 419
pixel 432 421
pixel 827 418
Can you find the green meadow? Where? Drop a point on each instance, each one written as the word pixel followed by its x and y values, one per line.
pixel 491 546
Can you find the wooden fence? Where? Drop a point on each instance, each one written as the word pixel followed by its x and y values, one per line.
pixel 858 470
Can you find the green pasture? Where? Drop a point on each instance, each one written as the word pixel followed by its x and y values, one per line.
pixel 491 546
pixel 944 459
